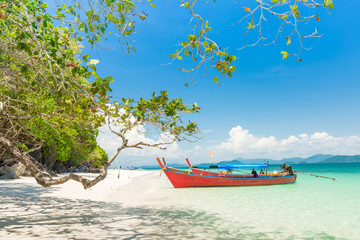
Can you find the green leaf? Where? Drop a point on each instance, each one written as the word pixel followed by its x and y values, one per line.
pixel 251 25
pixel 216 80
pixel 96 75
pixel 111 18
pixel 179 57
pixel 109 79
pixel 153 5
pixel 187 5
pixel 329 4
pixel 89 14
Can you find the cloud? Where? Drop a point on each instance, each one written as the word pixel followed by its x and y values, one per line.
pixel 197 147
pixel 242 143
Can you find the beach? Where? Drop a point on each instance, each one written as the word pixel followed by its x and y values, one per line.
pixel 144 205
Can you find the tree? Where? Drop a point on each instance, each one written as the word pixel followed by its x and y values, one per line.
pixel 52 97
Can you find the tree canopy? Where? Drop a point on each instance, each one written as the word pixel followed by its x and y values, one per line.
pixel 52 96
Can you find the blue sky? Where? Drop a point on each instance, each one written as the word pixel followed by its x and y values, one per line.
pixel 267 100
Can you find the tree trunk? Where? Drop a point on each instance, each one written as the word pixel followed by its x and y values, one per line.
pixel 43 178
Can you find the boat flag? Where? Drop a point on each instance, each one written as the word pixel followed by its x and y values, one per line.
pixel 212 156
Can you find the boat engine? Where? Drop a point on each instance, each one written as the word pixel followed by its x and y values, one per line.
pixel 287 168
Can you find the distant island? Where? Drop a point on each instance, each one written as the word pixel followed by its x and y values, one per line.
pixel 318 158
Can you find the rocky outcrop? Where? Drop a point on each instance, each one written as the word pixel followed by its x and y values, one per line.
pixel 84 167
pixel 12 169
pixel 59 167
pixel 7 172
pixel 21 170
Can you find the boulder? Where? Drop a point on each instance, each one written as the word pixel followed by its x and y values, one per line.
pixel 7 172
pixel 37 154
pixel 21 170
pixel 59 167
pixel 8 162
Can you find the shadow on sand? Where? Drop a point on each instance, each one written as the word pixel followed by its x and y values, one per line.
pixel 25 213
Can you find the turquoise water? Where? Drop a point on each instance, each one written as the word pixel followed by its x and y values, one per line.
pixel 311 208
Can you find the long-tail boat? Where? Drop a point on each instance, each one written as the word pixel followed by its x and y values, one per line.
pixel 181 179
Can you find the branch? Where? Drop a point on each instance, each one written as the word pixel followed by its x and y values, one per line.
pixel 45 179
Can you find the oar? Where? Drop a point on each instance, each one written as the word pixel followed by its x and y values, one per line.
pixel 334 179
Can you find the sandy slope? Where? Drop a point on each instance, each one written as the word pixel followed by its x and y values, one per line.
pixel 107 190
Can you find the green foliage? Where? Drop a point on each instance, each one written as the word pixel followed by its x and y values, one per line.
pixel 98 157
pixel 53 95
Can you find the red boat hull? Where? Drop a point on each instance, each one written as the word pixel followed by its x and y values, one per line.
pixel 182 179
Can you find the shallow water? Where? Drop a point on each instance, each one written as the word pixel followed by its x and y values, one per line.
pixel 314 208
pixel 150 208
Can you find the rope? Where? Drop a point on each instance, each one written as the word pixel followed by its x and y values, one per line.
pixel 334 179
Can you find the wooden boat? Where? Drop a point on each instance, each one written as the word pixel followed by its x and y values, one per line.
pixel 228 172
pixel 181 179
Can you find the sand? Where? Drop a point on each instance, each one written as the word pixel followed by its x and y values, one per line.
pixel 68 211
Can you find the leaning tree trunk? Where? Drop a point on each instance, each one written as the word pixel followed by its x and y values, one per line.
pixel 43 178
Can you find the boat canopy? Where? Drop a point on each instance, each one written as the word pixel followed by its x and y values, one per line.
pixel 233 166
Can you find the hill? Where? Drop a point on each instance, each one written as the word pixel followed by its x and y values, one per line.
pixel 342 159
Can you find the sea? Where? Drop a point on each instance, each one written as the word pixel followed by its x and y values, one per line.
pixel 310 208
pixel 150 208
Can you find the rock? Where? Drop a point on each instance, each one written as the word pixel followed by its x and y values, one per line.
pixel 38 155
pixel 7 172
pixel 21 170
pixel 95 170
pixel 8 162
pixel 87 167
pixel 5 169
pixel 59 167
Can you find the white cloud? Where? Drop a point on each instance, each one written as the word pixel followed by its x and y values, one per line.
pixel 242 143
pixel 197 147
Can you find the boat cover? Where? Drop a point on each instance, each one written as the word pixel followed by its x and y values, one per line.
pixel 233 166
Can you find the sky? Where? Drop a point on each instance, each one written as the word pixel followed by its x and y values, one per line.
pixel 270 108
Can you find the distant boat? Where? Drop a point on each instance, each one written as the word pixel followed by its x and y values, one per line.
pixel 181 179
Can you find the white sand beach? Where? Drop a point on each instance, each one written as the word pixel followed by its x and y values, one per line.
pixel 116 208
